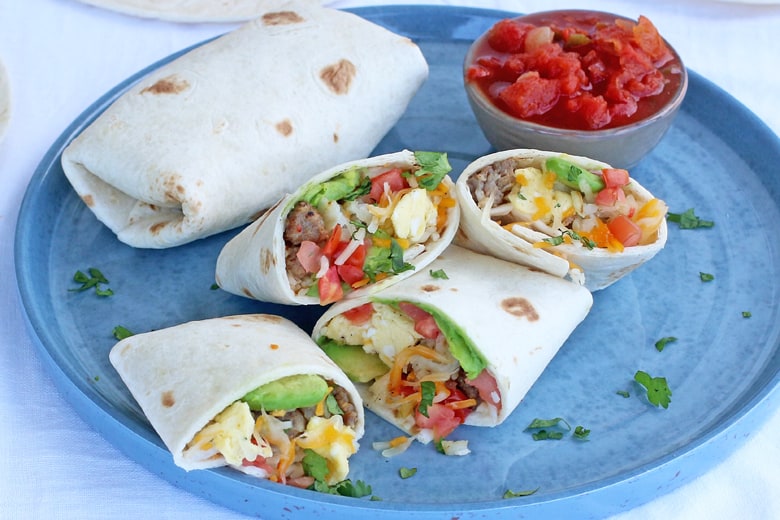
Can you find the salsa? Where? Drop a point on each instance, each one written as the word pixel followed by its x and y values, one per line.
pixel 576 69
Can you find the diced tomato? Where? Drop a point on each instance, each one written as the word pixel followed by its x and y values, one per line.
pixel 424 323
pixel 349 273
pixel 330 286
pixel 508 36
pixel 441 419
pixel 358 257
pixel 530 95
pixel 487 386
pixel 615 177
pixel 309 256
pixel 610 196
pixel 259 462
pixel 625 230
pixel 359 314
pixel 330 247
pixel 393 178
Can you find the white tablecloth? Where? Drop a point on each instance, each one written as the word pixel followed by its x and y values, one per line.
pixel 62 55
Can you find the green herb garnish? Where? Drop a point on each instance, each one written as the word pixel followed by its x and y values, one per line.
pixel 746 314
pixel 433 167
pixel 514 494
pixel 661 343
pixel 558 240
pixel 385 260
pixel 689 220
pixel 706 277
pixel 428 390
pixel 438 273
pixel 544 435
pixel 623 394
pixel 658 392
pixel 407 472
pixel 542 426
pixel 316 466
pixel 581 433
pixel 121 332
pixel 94 279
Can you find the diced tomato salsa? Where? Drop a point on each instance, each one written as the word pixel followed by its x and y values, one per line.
pixel 576 69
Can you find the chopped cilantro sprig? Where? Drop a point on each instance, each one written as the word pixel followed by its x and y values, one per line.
pixel 658 392
pixel 94 279
pixel 689 220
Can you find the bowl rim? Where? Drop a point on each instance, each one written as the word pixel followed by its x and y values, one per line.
pixel 476 94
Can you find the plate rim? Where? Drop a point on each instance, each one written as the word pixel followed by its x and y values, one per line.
pixel 96 414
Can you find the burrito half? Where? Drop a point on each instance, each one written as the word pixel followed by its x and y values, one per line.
pixel 355 228
pixel 460 343
pixel 564 214
pixel 252 392
pixel 206 142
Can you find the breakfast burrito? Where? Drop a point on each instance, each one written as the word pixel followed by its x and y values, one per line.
pixel 567 215
pixel 459 343
pixel 355 228
pixel 208 141
pixel 252 392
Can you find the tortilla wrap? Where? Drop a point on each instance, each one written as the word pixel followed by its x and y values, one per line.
pixel 513 319
pixel 185 376
pixel 498 228
pixel 5 100
pixel 262 261
pixel 189 11
pixel 206 142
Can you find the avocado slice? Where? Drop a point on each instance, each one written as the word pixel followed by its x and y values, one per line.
pixel 288 393
pixel 359 365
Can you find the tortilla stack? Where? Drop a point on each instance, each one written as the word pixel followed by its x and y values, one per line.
pixel 567 215
pixel 206 142
pixel 251 392
pixel 355 228
pixel 478 331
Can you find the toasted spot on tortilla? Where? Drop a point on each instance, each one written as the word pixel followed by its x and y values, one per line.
pixel 335 137
pixel 266 260
pixel 173 188
pixel 520 307
pixel 282 18
pixel 338 77
pixel 247 292
pixel 430 287
pixel 167 399
pixel 284 127
pixel 155 229
pixel 89 200
pixel 271 318
pixel 168 85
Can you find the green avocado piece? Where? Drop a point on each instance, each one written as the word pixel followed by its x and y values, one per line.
pixel 288 393
pixel 359 365
pixel 346 185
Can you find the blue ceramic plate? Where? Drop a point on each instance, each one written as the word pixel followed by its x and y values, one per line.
pixel 722 370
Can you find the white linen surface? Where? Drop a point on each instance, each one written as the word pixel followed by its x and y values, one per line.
pixel 61 55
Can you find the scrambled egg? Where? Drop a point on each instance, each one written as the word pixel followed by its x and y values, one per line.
pixel 333 440
pixel 388 332
pixel 231 434
pixel 413 214
pixel 534 197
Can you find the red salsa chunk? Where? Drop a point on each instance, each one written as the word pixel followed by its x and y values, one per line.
pixel 576 69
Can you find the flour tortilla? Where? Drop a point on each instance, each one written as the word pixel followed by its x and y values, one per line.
pixel 5 100
pixel 190 11
pixel 516 317
pixel 208 141
pixel 597 268
pixel 183 376
pixel 252 264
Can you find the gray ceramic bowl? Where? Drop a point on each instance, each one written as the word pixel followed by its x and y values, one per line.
pixel 621 147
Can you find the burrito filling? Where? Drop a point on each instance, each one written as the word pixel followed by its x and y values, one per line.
pixel 365 224
pixel 282 429
pixel 555 202
pixel 416 363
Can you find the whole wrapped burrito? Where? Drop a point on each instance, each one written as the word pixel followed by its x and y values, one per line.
pixel 460 343
pixel 352 229
pixel 252 392
pixel 564 214
pixel 206 142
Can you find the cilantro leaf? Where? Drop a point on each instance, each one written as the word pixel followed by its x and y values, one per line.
pixel 581 433
pixel 623 394
pixel 514 494
pixel 661 343
pixel 706 277
pixel 689 220
pixel 544 435
pixel 121 332
pixel 357 489
pixel 428 389
pixel 658 392
pixel 558 240
pixel 747 314
pixel 548 423
pixel 315 465
pixel 407 472
pixel 93 280
pixel 439 273
pixel 433 167
pixel 385 260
